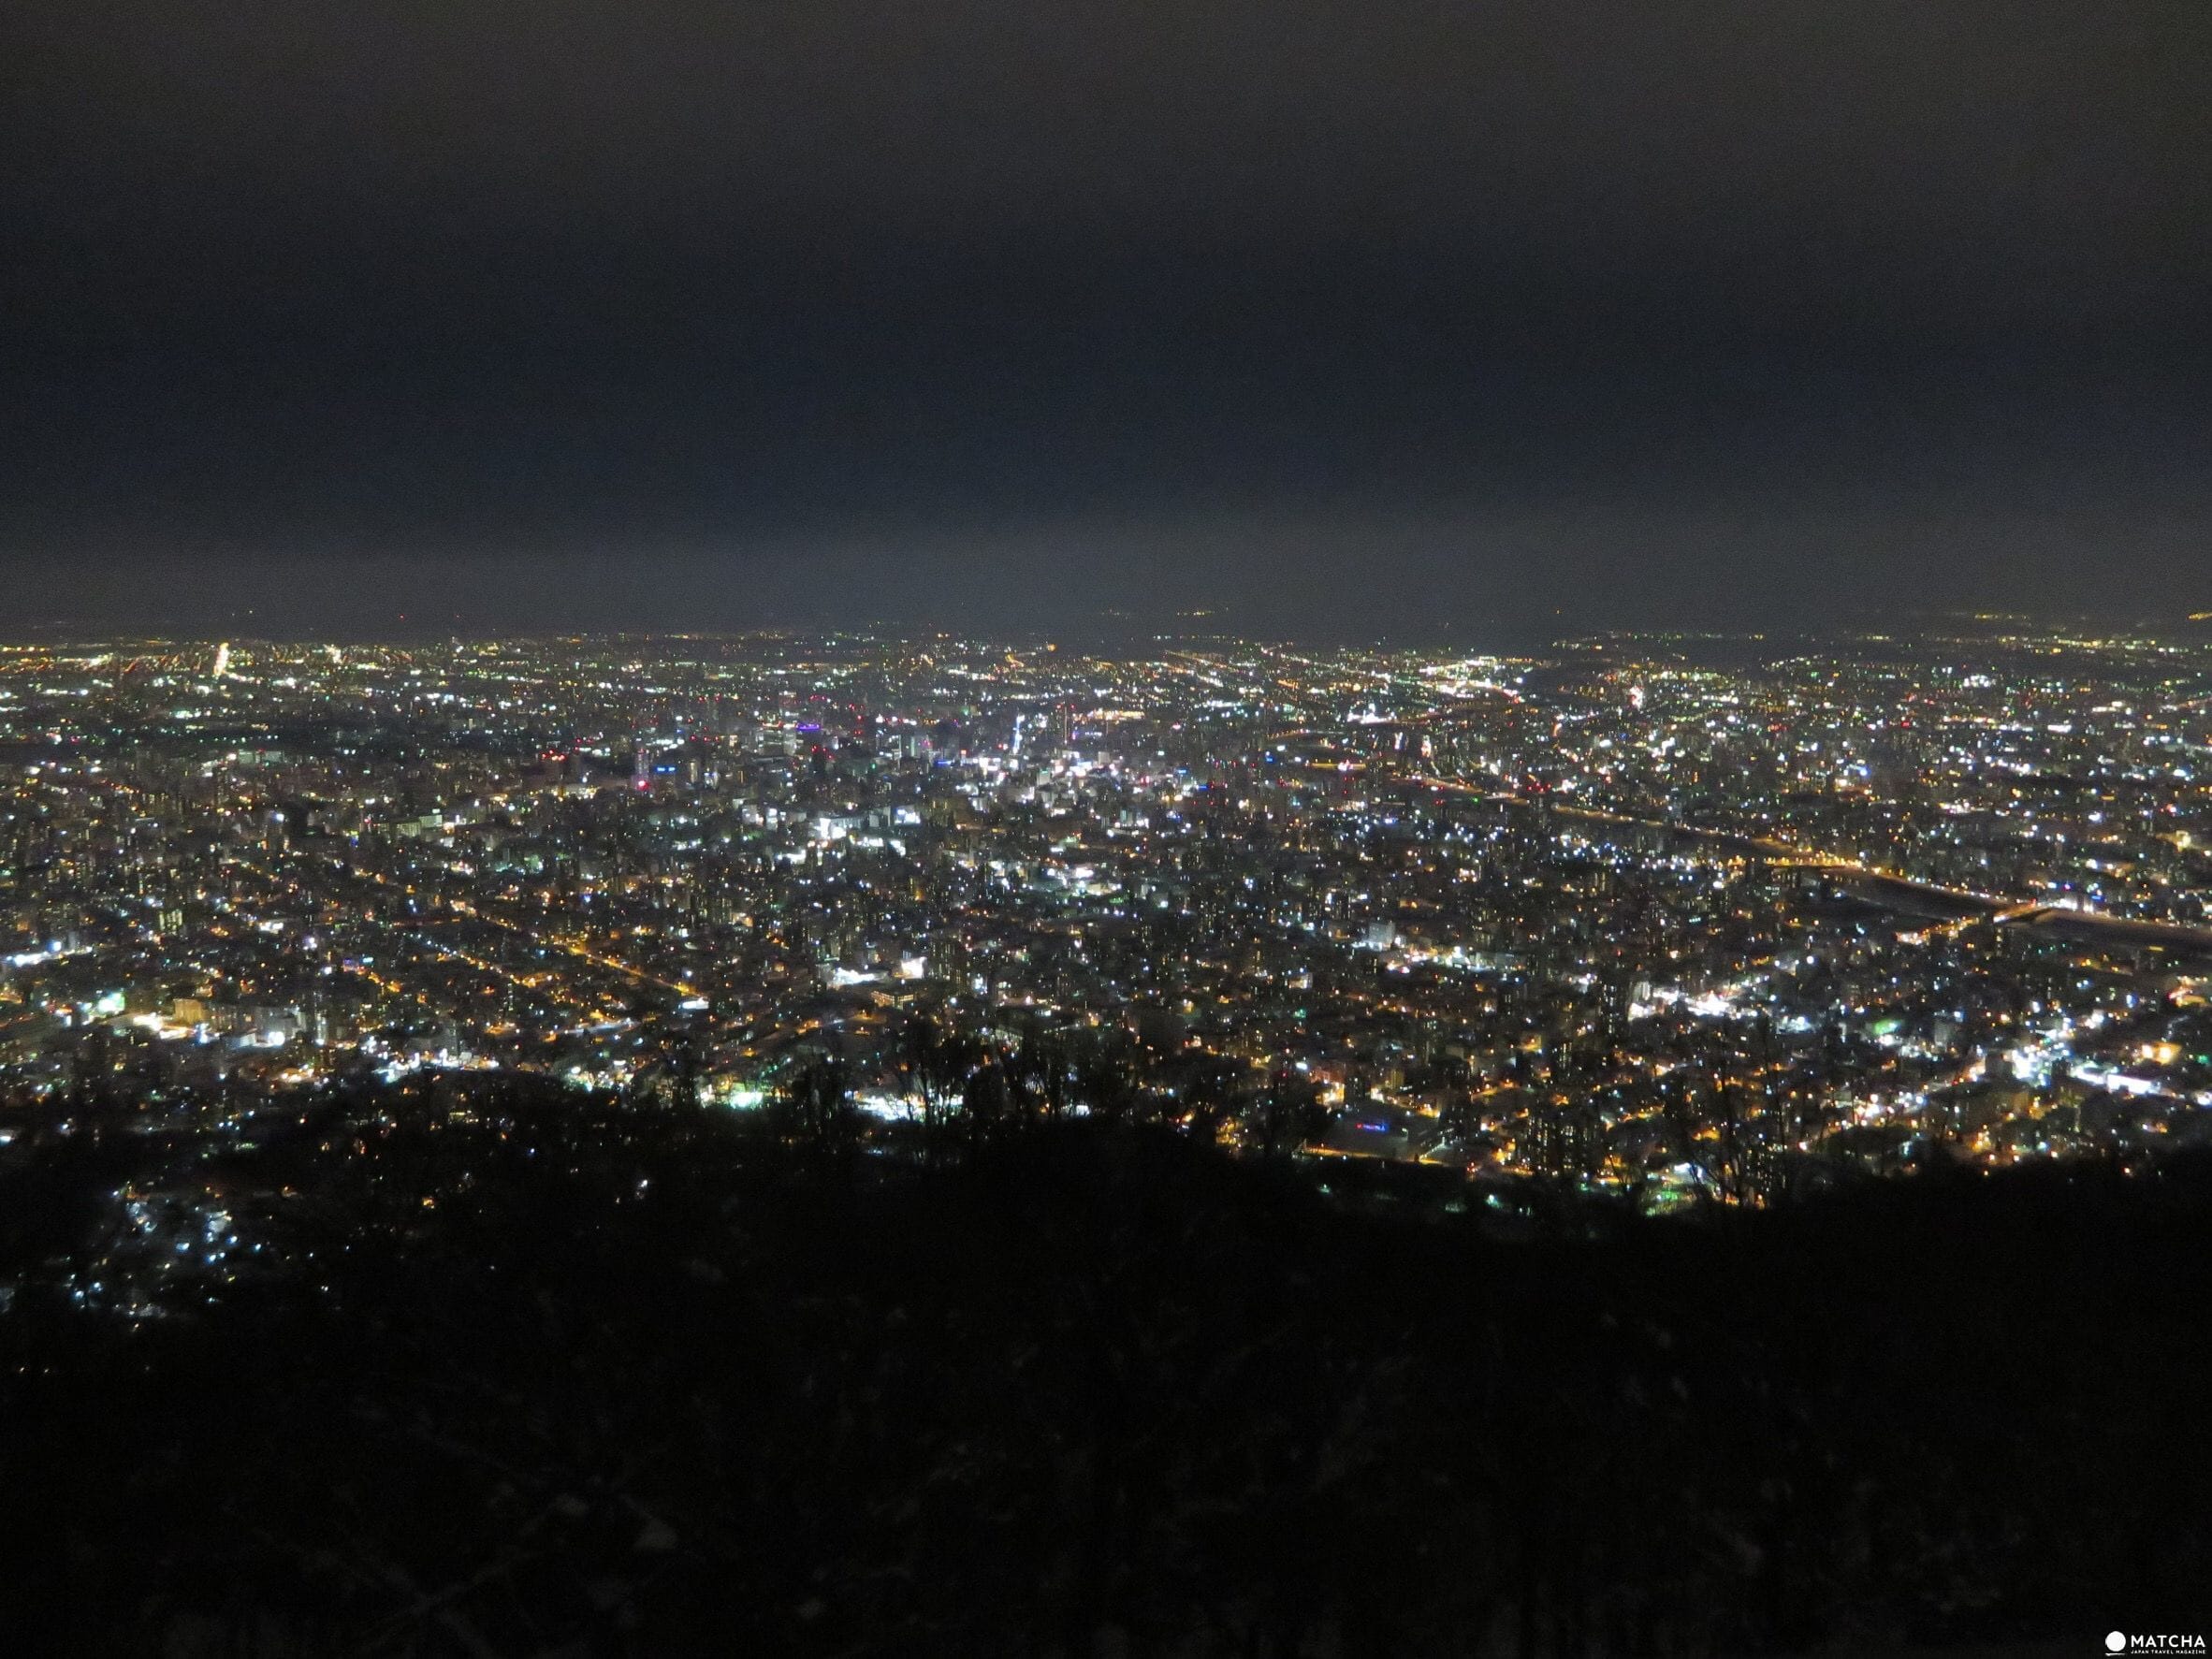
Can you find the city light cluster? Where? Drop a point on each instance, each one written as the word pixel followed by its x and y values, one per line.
pixel 1670 921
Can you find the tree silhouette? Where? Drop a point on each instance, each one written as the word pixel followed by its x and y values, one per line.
pixel 1290 1115
pixel 812 1115
pixel 934 1064
pixel 1108 1076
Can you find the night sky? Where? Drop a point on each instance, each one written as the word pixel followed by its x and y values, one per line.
pixel 1331 315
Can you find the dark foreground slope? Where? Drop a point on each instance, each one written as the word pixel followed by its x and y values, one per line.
pixel 1106 1393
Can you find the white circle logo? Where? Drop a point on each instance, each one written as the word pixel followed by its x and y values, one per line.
pixel 2115 1642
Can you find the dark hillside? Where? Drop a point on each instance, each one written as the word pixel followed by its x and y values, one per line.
pixel 646 1385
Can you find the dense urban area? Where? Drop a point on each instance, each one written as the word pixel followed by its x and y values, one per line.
pixel 781 959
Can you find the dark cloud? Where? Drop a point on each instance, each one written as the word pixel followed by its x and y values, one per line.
pixel 1329 309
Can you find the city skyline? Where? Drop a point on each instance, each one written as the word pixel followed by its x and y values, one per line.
pixel 755 854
